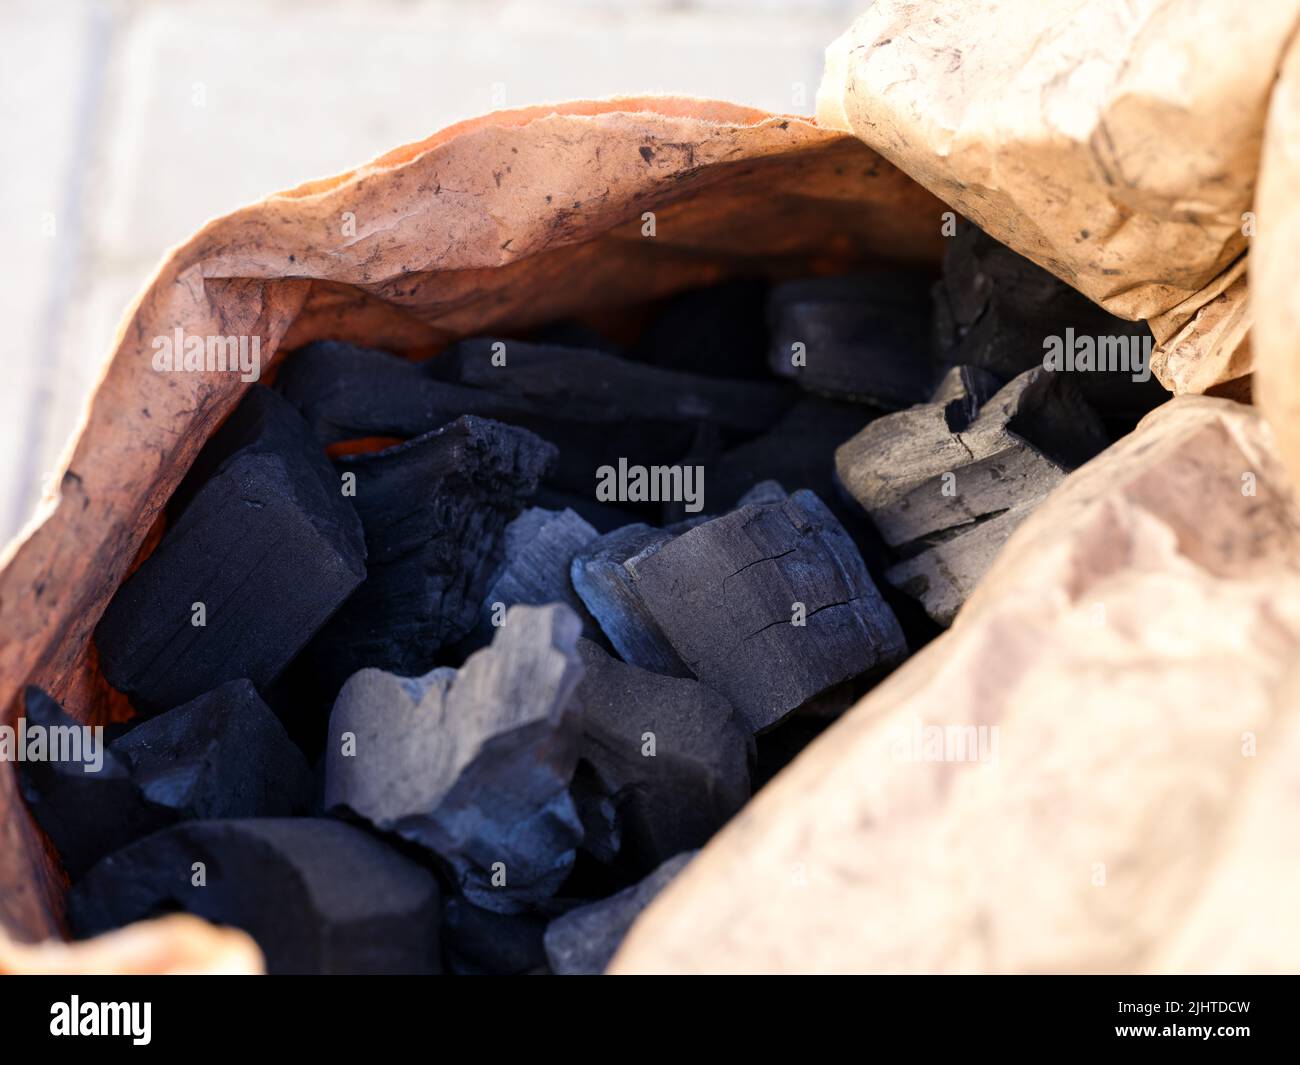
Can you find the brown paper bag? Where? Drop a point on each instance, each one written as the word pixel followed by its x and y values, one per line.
pixel 494 224
pixel 1114 143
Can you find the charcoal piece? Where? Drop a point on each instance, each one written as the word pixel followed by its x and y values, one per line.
pixel 994 309
pixel 603 581
pixel 223 754
pixel 583 941
pixel 433 510
pixel 539 549
pixel 268 545
pixel 922 472
pixel 943 576
pixel 473 765
pixel 572 384
pixel 317 895
pixel 571 333
pixel 718 331
pixel 672 755
pixel 86 802
pixel 769 605
pixel 861 338
pixel 477 942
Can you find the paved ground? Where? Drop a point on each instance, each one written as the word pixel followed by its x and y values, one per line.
pixel 129 124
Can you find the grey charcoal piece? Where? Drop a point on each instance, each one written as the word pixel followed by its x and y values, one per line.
pixel 673 756
pixel 725 595
pixel 923 471
pixel 946 483
pixel 474 764
pixel 584 941
pixel 942 577
pixel 318 896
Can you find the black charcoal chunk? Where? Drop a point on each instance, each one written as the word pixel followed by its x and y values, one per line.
pixel 769 605
pixel 719 331
pixel 602 832
pixel 319 897
pixel 477 942
pixel 584 941
pixel 539 549
pixel 473 765
pixel 994 309
pixel 861 338
pixel 601 577
pixel 433 510
pixel 262 554
pixel 672 755
pixel 85 799
pixel 221 755
pixel 946 483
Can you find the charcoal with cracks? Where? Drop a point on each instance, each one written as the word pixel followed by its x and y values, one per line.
pixel 997 310
pixel 319 896
pixel 946 483
pixel 673 756
pixel 601 576
pixel 582 942
pixel 473 764
pixel 264 551
pixel 865 339
pixel 539 547
pixel 769 605
pixel 477 942
pixel 221 755
pixel 433 510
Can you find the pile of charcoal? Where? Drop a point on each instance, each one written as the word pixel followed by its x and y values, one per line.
pixel 452 665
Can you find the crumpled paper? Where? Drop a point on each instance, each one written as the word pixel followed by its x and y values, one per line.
pixel 1130 802
pixel 1114 142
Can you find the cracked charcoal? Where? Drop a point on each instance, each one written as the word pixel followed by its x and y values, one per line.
pixel 723 594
